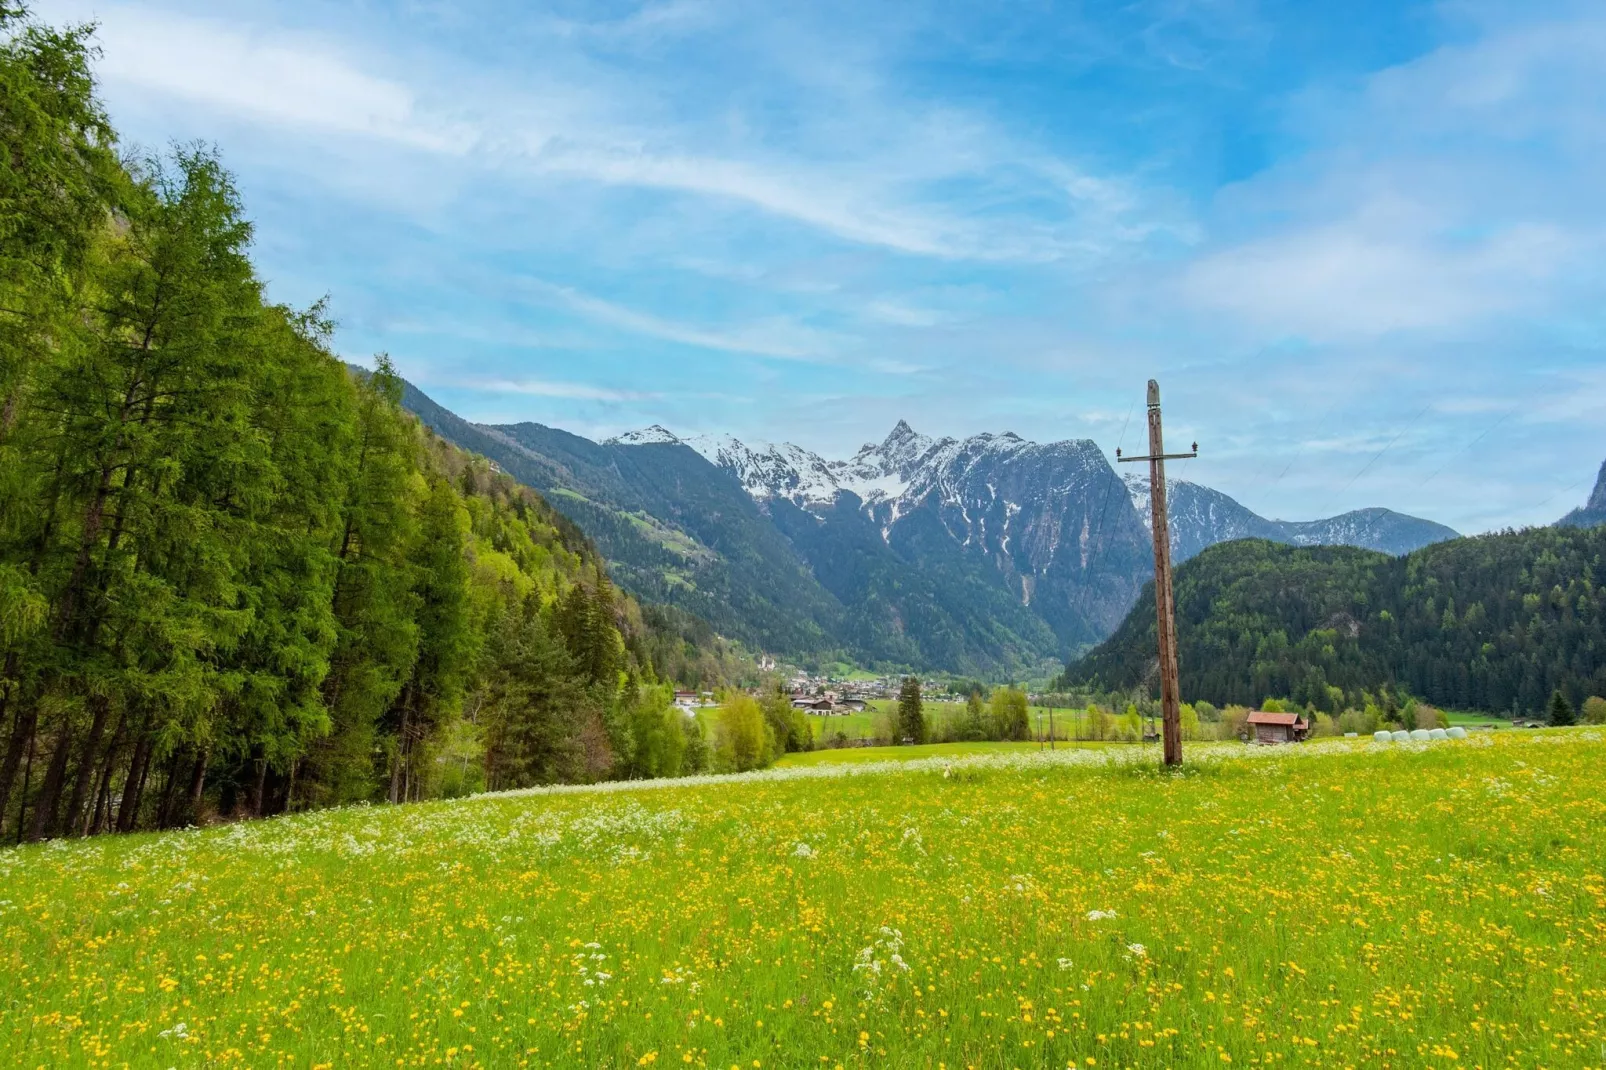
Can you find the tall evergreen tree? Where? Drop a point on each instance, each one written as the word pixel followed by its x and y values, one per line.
pixel 1561 711
pixel 911 712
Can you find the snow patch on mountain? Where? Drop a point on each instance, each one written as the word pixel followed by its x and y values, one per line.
pixel 656 435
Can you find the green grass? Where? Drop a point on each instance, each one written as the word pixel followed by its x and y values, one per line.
pixel 853 725
pixel 1470 718
pixel 857 755
pixel 1337 904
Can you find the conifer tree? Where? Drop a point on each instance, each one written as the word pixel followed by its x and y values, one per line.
pixel 911 712
pixel 1561 711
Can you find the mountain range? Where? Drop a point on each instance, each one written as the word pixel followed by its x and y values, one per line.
pixel 1202 517
pixel 990 554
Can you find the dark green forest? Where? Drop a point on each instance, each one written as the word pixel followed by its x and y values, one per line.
pixel 236 578
pixel 1495 622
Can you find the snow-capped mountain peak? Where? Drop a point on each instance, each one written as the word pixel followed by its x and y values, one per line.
pixel 655 435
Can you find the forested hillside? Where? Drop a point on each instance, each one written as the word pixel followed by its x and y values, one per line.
pixel 234 576
pixel 1495 622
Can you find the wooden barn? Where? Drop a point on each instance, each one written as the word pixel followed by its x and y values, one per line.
pixel 1277 727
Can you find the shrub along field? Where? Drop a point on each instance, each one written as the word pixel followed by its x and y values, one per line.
pixel 1338 904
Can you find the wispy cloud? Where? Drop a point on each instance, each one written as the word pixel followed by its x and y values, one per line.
pixel 543 388
pixel 777 338
pixel 894 186
pixel 273 77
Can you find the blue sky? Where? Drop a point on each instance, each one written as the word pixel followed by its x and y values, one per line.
pixel 1359 244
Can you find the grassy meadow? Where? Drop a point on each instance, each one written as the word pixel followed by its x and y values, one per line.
pixel 1339 904
pixel 860 755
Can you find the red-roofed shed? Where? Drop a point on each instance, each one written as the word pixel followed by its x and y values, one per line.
pixel 1277 727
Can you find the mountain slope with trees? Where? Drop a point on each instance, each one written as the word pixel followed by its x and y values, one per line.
pixel 235 577
pixel 1495 622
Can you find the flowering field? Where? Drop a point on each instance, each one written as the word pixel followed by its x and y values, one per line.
pixel 1340 904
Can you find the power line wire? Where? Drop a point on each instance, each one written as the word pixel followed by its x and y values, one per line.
pixel 1376 457
pixel 1486 432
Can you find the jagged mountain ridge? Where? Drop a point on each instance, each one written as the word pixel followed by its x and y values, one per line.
pixel 1047 521
pixel 1202 517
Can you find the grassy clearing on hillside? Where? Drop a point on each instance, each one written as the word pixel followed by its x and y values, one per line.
pixel 1338 904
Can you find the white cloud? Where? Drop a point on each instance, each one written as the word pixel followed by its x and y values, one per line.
pixel 1357 278
pixel 581 119
pixel 267 76
pixel 902 315
pixel 778 338
pixel 546 388
pixel 1450 192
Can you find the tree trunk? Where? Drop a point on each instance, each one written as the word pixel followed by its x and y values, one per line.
pixel 100 818
pixel 95 820
pixel 164 811
pixel 397 777
pixel 134 786
pixel 290 786
pixel 22 800
pixel 22 729
pixel 260 786
pixel 44 810
pixel 197 785
pixel 86 765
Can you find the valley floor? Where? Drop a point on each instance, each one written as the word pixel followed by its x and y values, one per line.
pixel 1339 904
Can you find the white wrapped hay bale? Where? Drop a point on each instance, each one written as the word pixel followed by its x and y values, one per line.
pixel 1420 735
pixel 1382 735
pixel 1456 732
pixel 1438 733
pixel 1402 736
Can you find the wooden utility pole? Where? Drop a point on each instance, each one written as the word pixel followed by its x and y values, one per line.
pixel 1166 621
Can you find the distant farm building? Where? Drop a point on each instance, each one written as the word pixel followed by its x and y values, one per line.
pixel 828 704
pixel 1277 727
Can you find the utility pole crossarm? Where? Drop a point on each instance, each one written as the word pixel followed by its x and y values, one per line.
pixel 1162 457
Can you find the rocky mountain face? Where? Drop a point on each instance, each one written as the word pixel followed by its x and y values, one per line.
pixel 1592 512
pixel 1202 517
pixel 989 554
pixel 1045 525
